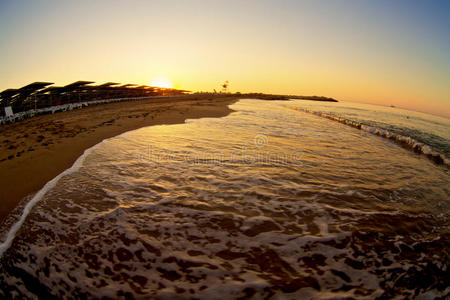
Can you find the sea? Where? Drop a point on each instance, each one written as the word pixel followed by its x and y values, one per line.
pixel 278 200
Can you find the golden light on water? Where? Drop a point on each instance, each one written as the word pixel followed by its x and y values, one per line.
pixel 162 82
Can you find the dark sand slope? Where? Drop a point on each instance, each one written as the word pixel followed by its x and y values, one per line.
pixel 35 150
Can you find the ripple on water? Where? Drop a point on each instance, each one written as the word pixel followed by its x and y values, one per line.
pixel 352 222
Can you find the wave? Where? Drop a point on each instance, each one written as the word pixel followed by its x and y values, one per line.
pixel 41 193
pixel 37 197
pixel 406 141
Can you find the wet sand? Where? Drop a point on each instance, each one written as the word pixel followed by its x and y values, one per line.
pixel 34 151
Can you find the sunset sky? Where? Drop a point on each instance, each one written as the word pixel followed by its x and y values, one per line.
pixel 382 52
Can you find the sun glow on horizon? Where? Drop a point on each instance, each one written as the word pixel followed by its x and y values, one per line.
pixel 289 48
pixel 162 82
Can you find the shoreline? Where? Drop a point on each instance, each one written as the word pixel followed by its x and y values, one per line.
pixel 36 150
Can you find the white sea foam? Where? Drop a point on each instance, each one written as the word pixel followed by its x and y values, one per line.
pixel 37 197
pixel 41 193
pixel 408 141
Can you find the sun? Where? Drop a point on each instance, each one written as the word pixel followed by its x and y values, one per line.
pixel 162 82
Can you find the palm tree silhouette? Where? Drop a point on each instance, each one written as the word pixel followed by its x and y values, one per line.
pixel 225 86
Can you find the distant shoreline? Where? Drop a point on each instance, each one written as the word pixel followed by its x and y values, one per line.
pixel 289 97
pixel 25 113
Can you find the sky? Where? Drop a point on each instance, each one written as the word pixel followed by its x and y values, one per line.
pixel 382 52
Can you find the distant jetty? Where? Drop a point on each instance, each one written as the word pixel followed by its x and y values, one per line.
pixel 288 97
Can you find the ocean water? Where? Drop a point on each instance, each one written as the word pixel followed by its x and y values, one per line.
pixel 422 133
pixel 280 199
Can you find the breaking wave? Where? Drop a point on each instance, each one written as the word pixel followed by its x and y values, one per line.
pixel 405 141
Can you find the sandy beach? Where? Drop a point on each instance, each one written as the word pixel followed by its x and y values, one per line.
pixel 234 150
pixel 34 151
